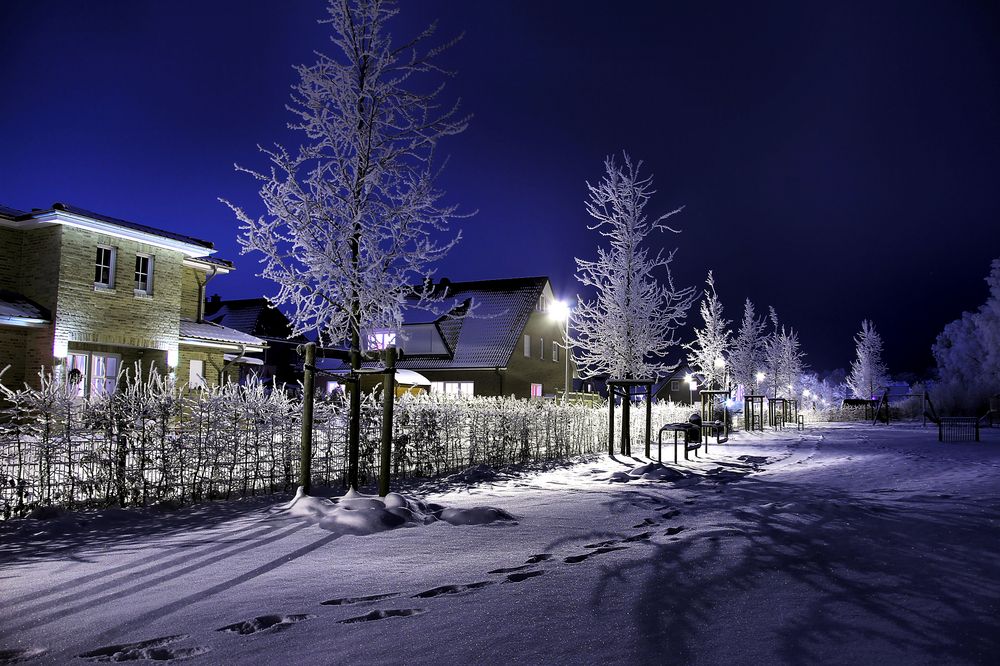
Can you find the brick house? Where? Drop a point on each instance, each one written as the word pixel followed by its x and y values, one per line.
pixel 511 345
pixel 88 292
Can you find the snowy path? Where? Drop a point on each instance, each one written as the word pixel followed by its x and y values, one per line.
pixel 838 545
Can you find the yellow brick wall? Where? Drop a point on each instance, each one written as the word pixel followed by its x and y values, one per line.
pixel 213 363
pixel 116 316
pixel 190 292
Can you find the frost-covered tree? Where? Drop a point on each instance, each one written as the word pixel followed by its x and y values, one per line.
pixel 711 343
pixel 631 323
pixel 783 360
pixel 747 356
pixel 868 372
pixel 352 217
pixel 968 354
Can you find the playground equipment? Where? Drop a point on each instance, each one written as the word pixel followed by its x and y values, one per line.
pixel 928 413
pixel 781 411
pixel 711 411
pixel 753 412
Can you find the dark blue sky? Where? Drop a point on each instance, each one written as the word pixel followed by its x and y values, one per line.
pixel 836 160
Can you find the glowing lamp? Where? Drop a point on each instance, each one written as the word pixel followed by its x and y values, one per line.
pixel 559 310
pixel 60 348
pixel 173 357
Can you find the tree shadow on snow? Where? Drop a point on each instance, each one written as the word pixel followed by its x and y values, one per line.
pixel 912 576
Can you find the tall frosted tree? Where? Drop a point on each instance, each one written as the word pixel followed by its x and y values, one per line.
pixel 868 373
pixel 747 356
pixel 351 217
pixel 627 329
pixel 707 353
pixel 783 359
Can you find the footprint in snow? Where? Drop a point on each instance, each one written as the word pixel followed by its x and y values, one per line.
pixel 359 600
pixel 673 513
pixel 451 589
pixel 573 559
pixel 272 623
pixel 645 523
pixel 637 537
pixel 674 530
pixel 154 649
pixel 383 614
pixel 601 544
pixel 540 557
pixel 19 655
pixel 509 569
pixel 518 577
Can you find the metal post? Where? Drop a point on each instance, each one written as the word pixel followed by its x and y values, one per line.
pixel 388 400
pixel 305 454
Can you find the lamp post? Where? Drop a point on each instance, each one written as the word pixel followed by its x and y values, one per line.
pixel 691 386
pixel 560 312
pixel 759 377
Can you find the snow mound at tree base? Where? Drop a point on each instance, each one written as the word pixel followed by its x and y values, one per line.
pixel 653 471
pixel 355 513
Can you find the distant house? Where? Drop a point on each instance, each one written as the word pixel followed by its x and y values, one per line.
pixel 674 387
pixel 87 292
pixel 280 363
pixel 510 344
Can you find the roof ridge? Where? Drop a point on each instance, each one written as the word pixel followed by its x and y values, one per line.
pixel 128 224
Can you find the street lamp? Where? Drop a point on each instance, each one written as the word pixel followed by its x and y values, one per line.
pixel 691 386
pixel 560 312
pixel 759 377
pixel 720 370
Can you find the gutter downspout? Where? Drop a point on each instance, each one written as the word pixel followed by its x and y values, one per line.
pixel 226 364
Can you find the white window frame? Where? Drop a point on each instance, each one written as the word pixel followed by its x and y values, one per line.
pixel 196 378
pixel 555 351
pixel 83 365
pixel 454 389
pixel 112 260
pixel 148 291
pixel 527 346
pixel 105 378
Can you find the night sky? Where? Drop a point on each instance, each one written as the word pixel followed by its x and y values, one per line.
pixel 838 161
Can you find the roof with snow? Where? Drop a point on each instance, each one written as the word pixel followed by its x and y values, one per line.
pixel 18 310
pixel 211 332
pixel 486 338
pixel 253 316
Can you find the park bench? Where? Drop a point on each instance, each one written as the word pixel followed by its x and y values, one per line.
pixel 958 429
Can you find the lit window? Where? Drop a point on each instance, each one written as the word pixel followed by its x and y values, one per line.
pixel 527 345
pixel 143 274
pixel 454 388
pixel 381 340
pixel 104 267
pixel 196 374
pixel 104 373
pixel 76 373
pixel 536 390
pixel 541 348
pixel 555 351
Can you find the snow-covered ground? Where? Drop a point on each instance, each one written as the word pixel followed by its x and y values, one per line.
pixel 841 544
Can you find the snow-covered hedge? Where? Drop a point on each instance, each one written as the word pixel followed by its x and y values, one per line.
pixel 157 441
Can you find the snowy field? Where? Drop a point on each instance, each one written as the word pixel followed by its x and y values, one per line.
pixel 838 545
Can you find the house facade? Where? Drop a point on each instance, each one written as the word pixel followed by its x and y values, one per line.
pixel 82 291
pixel 498 338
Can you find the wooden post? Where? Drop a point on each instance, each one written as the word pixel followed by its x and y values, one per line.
pixel 305 454
pixel 626 425
pixel 354 429
pixel 388 400
pixel 611 420
pixel 649 415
